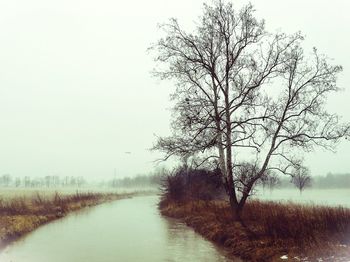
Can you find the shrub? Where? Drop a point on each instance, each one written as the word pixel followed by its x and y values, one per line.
pixel 192 184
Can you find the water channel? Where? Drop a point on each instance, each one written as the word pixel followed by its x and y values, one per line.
pixel 124 230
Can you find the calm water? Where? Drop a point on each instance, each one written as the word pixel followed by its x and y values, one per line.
pixel 331 197
pixel 124 230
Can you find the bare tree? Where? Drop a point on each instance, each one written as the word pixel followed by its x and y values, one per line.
pixel 270 180
pixel 301 178
pixel 228 71
pixel 6 180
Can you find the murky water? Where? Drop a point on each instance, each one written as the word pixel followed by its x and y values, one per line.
pixel 124 230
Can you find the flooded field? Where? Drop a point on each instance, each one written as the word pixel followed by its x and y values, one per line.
pixel 331 197
pixel 124 230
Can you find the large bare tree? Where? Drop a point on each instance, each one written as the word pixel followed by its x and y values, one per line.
pixel 242 91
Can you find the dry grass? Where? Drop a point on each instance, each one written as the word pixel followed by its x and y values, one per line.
pixel 303 224
pixel 20 215
pixel 275 229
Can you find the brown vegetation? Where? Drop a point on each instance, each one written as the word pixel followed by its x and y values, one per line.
pixel 21 215
pixel 273 229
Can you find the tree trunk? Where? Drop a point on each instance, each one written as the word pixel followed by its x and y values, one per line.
pixel 236 210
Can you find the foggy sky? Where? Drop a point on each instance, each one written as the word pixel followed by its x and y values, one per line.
pixel 76 91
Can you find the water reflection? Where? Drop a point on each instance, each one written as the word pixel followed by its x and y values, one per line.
pixel 125 230
pixel 184 242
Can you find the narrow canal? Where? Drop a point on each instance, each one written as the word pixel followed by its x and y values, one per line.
pixel 124 230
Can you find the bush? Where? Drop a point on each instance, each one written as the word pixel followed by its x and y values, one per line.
pixel 192 184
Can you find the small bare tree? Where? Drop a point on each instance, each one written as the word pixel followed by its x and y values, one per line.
pixel 301 178
pixel 270 180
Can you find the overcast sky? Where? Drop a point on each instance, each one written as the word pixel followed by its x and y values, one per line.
pixel 76 91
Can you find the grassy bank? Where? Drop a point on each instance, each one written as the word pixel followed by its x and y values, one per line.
pixel 21 215
pixel 273 229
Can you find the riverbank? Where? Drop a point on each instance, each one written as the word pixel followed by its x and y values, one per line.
pixel 275 230
pixel 21 215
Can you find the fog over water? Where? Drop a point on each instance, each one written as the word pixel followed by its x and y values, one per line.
pixel 76 91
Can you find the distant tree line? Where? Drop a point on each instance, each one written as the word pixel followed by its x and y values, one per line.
pixel 151 180
pixel 328 181
pixel 7 180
